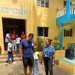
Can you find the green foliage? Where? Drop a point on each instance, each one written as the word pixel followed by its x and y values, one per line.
pixel 56 38
pixel 56 43
pixel 40 44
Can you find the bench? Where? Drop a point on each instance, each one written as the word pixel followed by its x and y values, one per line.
pixel 67 64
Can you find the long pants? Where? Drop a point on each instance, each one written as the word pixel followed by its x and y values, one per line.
pixel 10 55
pixel 48 66
pixel 6 46
pixel 35 68
pixel 14 44
pixel 17 47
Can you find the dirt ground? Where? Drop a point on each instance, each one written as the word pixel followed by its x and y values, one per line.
pixel 17 69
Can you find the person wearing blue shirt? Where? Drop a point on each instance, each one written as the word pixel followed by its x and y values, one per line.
pixel 26 53
pixel 48 54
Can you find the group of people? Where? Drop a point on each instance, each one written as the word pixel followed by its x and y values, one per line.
pixel 30 56
pixel 15 40
pixel 12 41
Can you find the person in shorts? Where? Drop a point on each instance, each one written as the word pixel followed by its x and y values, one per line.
pixel 26 53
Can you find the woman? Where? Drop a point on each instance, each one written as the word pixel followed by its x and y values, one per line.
pixel 48 54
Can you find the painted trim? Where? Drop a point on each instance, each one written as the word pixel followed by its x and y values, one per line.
pixel 61 38
pixel 66 17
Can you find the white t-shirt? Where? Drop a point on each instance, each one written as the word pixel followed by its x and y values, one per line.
pixel 7 36
pixel 18 40
pixel 35 55
pixel 10 46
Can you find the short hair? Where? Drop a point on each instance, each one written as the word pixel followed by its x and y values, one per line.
pixel 31 35
pixel 49 40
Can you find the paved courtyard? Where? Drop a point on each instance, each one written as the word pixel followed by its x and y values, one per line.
pixel 17 69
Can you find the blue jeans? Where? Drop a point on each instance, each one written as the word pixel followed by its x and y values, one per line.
pixel 35 68
pixel 10 55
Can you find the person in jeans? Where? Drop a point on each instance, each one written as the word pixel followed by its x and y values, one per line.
pixel 13 37
pixel 10 53
pixel 48 54
pixel 7 37
pixel 36 62
pixel 26 53
pixel 18 39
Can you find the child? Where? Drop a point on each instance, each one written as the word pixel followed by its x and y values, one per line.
pixel 18 39
pixel 10 53
pixel 36 62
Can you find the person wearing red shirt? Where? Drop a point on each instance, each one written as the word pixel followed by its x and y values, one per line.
pixel 13 37
pixel 23 36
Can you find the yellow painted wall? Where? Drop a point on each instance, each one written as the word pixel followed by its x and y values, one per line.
pixel 37 16
pixel 46 17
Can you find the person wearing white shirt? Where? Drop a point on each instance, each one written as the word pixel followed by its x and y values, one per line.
pixel 36 61
pixel 7 39
pixel 10 53
pixel 18 39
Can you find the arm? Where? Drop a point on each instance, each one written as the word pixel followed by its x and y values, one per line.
pixel 20 52
pixel 41 58
pixel 53 58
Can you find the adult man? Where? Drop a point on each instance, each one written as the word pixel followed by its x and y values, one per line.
pixel 8 36
pixel 26 53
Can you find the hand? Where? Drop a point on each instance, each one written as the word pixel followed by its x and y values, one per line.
pixel 53 63
pixel 21 58
pixel 41 62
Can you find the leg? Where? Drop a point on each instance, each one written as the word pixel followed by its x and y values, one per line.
pixel 25 71
pixel 25 64
pixel 6 46
pixel 37 68
pixel 46 65
pixel 30 70
pixel 8 58
pixel 50 67
pixel 31 62
pixel 15 44
pixel 12 58
pixel 16 48
pixel 34 68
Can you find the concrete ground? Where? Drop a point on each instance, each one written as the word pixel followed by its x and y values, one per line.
pixel 17 69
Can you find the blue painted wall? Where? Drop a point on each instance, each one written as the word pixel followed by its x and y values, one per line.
pixel 61 38
pixel 65 18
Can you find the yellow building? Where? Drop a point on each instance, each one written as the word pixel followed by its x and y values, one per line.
pixel 31 16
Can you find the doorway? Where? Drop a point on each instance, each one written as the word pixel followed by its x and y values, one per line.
pixel 13 24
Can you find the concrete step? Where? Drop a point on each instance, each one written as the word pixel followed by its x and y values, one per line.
pixel 3 60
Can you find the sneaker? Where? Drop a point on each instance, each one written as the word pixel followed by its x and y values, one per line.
pixel 6 64
pixel 14 63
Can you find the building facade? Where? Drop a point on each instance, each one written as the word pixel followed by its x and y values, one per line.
pixel 39 17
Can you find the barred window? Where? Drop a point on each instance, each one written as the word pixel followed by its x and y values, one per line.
pixel 68 33
pixel 42 31
pixel 43 3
